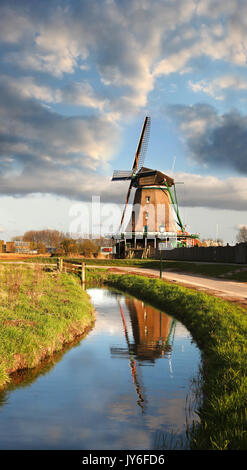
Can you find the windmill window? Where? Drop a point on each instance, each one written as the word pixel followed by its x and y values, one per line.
pixel 147 199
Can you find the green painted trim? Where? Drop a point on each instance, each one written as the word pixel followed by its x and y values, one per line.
pixel 176 205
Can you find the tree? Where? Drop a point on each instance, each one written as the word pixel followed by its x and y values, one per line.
pixel 242 234
pixel 41 248
pixel 51 238
pixel 89 248
pixel 68 245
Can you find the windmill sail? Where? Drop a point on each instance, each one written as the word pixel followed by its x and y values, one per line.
pixel 137 164
pixel 122 175
pixel 142 145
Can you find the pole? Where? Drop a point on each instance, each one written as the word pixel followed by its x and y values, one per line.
pixel 83 275
pixel 160 265
pixel 60 264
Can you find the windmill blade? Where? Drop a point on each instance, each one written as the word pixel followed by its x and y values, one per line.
pixel 126 203
pixel 119 175
pixel 142 145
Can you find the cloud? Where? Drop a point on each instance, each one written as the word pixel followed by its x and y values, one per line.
pixel 125 46
pixel 213 139
pixel 211 192
pixel 81 94
pixel 75 93
pixel 40 148
pixel 128 44
pixel 27 87
pixel 21 26
pixel 120 41
pixel 76 185
pixel 45 152
pixel 218 87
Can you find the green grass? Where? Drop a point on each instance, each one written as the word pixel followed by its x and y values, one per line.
pixel 235 272
pixel 40 312
pixel 220 330
pixel 229 271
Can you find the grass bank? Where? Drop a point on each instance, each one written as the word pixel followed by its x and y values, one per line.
pixel 40 313
pixel 235 272
pixel 220 330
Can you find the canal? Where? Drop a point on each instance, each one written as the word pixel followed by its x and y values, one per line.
pixel 129 384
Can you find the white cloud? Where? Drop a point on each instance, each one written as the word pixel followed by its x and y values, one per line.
pixel 218 87
pixel 122 41
pixel 27 87
pixel 41 148
pixel 14 27
pixel 128 44
pixel 81 94
pixel 211 191
pixel 76 93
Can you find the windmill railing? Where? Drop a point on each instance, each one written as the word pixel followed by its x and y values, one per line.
pixel 141 235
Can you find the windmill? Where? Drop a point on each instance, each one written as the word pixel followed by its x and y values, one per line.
pixel 155 214
pixel 152 338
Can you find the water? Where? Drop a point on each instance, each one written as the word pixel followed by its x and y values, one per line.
pixel 127 385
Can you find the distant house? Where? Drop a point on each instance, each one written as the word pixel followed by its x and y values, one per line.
pixel 22 247
pixel 10 247
pixel 2 246
pixel 18 246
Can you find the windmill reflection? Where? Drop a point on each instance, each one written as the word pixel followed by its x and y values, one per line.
pixel 152 338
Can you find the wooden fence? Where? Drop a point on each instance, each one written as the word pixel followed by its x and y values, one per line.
pixel 75 268
pixel 214 254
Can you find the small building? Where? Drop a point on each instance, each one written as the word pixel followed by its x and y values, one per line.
pixel 18 246
pixel 22 247
pixel 10 247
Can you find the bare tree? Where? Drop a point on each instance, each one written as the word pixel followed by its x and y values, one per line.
pixel 242 234
pixel 50 238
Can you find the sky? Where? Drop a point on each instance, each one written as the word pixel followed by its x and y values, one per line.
pixel 77 79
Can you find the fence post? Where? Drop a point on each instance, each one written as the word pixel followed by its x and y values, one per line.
pixel 60 264
pixel 83 274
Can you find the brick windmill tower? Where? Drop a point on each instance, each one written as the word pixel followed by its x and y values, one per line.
pixel 155 216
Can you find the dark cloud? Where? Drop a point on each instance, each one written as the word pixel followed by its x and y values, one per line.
pixel 213 139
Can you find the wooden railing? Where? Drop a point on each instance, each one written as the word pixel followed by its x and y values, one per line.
pixel 75 268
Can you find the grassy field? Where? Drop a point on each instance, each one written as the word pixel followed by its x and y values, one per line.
pixel 40 312
pixel 220 330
